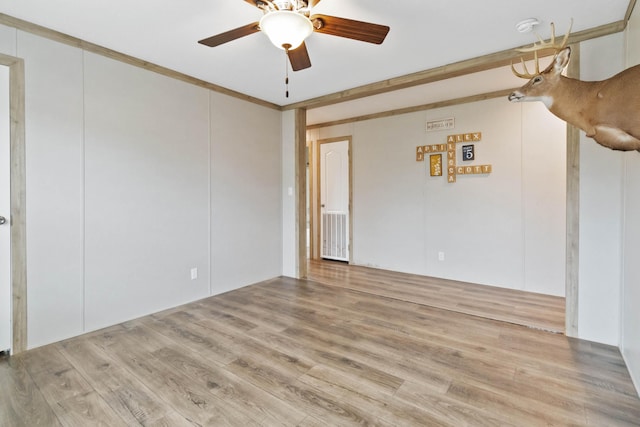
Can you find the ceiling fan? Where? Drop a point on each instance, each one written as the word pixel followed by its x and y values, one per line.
pixel 289 23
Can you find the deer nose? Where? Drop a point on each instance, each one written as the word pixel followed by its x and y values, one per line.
pixel 514 96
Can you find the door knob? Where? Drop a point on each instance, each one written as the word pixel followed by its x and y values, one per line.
pixel 2 220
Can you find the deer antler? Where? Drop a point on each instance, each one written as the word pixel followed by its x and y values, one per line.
pixel 527 74
pixel 537 47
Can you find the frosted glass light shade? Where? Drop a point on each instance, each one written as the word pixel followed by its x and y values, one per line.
pixel 284 27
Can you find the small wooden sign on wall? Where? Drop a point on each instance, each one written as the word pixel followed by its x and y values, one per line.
pixel 442 124
pixel 421 150
pixel 465 137
pixel 435 164
pixel 468 153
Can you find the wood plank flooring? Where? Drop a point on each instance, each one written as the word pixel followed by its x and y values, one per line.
pixel 538 311
pixel 289 352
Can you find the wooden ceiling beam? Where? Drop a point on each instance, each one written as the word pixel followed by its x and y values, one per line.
pixel 469 66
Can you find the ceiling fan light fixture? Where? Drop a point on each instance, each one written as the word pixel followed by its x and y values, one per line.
pixel 286 29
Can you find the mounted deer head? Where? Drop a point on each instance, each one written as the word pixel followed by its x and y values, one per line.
pixel 607 111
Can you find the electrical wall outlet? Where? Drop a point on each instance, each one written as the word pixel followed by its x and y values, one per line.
pixel 440 256
pixel 194 273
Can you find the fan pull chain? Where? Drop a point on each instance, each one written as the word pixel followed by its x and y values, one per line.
pixel 286 73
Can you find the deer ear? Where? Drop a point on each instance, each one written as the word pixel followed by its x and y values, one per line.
pixel 562 59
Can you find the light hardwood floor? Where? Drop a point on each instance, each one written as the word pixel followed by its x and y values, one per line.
pixel 508 305
pixel 289 352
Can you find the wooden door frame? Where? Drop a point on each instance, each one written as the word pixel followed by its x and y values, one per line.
pixel 17 218
pixel 317 215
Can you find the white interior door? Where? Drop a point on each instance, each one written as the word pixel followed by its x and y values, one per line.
pixel 334 200
pixel 5 236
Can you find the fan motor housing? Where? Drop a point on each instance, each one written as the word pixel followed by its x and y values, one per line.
pixel 290 5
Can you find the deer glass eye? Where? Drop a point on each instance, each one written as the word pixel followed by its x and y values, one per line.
pixel 537 79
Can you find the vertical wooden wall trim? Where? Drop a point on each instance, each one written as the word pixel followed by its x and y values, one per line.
pixel 350 155
pixel 573 212
pixel 318 214
pixel 301 190
pixel 18 203
pixel 310 188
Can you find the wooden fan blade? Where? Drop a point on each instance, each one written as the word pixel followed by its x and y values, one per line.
pixel 299 58
pixel 253 2
pixel 230 35
pixel 356 30
pixel 313 3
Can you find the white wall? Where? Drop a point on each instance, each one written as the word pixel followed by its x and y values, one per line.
pixel 601 195
pixel 388 185
pixel 133 179
pixel 630 341
pixel 544 173
pixel 7 40
pixel 146 187
pixel 55 193
pixel 495 229
pixel 246 237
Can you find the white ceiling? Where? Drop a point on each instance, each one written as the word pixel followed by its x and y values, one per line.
pixel 424 35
